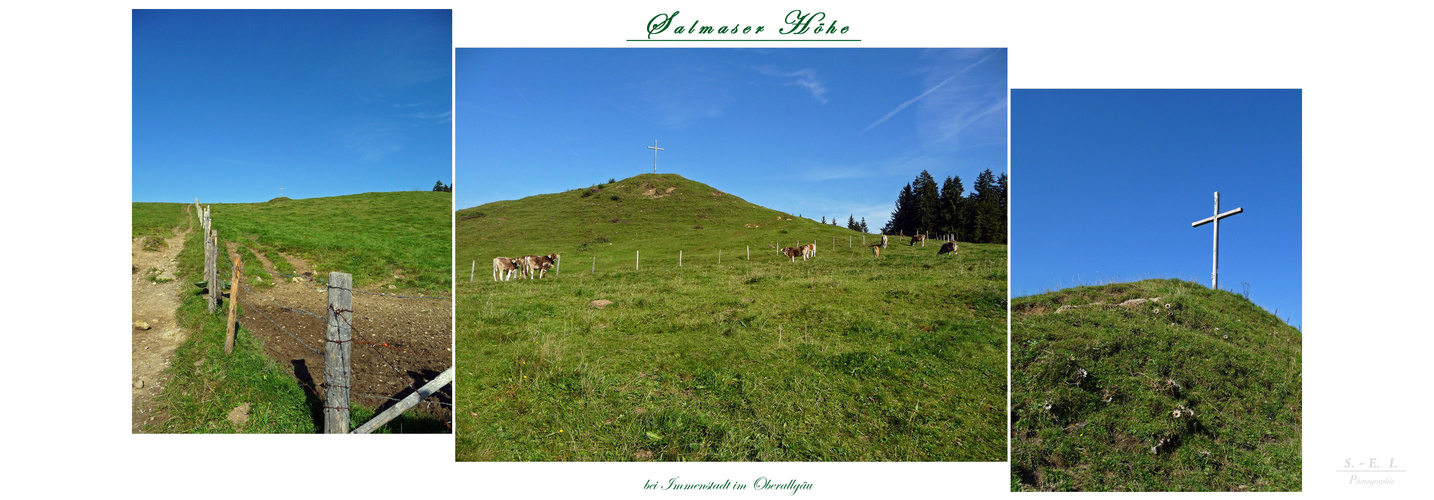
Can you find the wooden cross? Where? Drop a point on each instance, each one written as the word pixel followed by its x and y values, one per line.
pixel 654 149
pixel 1215 262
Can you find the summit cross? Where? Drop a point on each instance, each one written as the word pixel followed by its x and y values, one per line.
pixel 1215 260
pixel 654 149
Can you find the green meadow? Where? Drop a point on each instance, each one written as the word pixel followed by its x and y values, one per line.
pixel 386 232
pixel 844 357
pixel 1191 389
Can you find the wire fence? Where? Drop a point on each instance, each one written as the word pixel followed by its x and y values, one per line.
pixel 856 245
pixel 411 365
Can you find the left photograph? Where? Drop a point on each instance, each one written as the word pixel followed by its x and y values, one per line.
pixel 291 224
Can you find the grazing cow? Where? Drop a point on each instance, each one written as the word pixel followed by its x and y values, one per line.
pixel 505 267
pixel 948 247
pixel 876 250
pixel 793 252
pixel 542 263
pixel 917 237
pixel 808 251
pixel 883 241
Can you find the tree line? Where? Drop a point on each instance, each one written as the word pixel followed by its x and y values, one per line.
pixel 980 217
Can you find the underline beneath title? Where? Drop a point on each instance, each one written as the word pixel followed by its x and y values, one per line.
pixel 741 40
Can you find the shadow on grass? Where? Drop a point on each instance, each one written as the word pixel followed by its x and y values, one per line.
pixel 311 397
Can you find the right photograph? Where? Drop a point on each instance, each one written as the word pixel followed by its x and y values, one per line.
pixel 1156 290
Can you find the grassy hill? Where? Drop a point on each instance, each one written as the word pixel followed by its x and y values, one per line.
pixel 844 357
pixel 400 238
pixel 369 235
pixel 1099 377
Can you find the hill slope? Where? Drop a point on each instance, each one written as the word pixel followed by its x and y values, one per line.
pixel 1189 389
pixel 655 213
pixel 843 357
pixel 399 238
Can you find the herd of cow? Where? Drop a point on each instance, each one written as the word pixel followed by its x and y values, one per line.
pixel 504 268
pixel 524 266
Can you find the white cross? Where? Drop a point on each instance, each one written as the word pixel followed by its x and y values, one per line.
pixel 1215 262
pixel 281 191
pixel 654 149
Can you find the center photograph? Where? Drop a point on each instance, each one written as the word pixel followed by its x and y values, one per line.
pixel 659 269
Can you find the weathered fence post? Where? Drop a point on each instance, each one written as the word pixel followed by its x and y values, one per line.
pixel 749 252
pixel 337 346
pixel 211 273
pixel 719 256
pixel 237 278
pixel 638 261
pixel 471 267
pixel 560 265
pixel 594 271
pixel 679 258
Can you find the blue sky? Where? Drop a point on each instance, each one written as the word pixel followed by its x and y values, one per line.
pixel 1105 185
pixel 230 105
pixel 816 132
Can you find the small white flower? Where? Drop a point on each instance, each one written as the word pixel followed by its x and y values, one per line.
pixel 1176 414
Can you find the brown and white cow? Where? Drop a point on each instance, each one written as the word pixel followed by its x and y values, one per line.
pixel 808 251
pixel 541 263
pixel 883 241
pixel 793 252
pixel 948 247
pixel 505 267
pixel 876 250
pixel 917 237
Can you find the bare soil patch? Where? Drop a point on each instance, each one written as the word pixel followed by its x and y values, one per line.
pixel 401 341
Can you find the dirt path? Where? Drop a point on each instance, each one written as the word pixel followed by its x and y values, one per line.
pixel 152 306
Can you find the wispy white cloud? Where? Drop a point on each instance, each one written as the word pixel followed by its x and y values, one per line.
pixel 928 91
pixel 683 96
pixel 373 142
pixel 806 78
pixel 443 117
pixel 244 163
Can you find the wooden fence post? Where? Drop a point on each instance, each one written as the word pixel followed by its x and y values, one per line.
pixel 337 346
pixel 233 305
pixel 679 258
pixel 638 261
pixel 471 267
pixel 594 271
pixel 719 256
pixel 211 274
pixel 749 252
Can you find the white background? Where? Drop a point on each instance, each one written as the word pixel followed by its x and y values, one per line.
pixel 1364 71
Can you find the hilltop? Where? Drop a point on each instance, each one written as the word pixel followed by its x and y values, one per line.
pixel 844 357
pixel 648 212
pixel 1156 385
pixel 399 238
